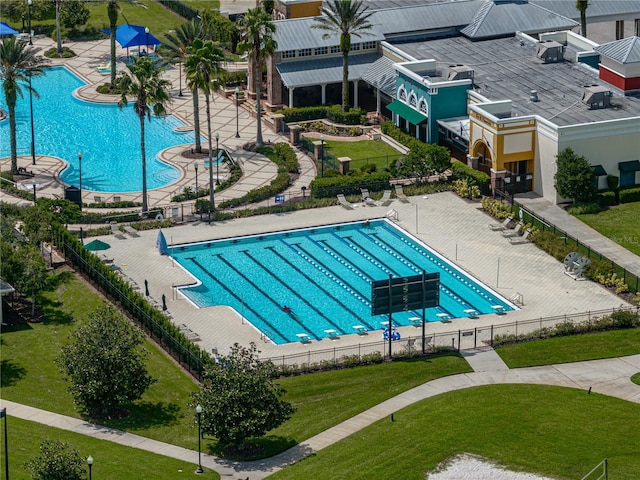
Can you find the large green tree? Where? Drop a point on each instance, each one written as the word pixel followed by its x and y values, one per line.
pixel 581 6
pixel 575 178
pixel 239 397
pixel 176 48
pixel 57 461
pixel 346 18
pixel 105 363
pixel 425 160
pixel 18 61
pixel 142 81
pixel 257 31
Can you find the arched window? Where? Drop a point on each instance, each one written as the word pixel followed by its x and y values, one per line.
pixel 402 94
pixel 413 100
pixel 423 106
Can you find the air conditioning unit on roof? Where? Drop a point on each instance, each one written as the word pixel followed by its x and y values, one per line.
pixel 597 96
pixel 550 51
pixel 460 72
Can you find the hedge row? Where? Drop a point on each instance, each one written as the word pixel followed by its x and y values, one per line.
pixel 354 116
pixel 180 8
pixel 630 195
pixel 323 187
pixel 481 179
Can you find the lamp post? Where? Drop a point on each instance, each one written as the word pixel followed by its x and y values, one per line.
pixel 90 463
pixel 322 155
pixel 199 414
pixel 30 4
pixel 217 160
pixel 211 199
pixel 237 125
pixel 146 31
pixel 195 165
pixel 180 78
pixel 33 143
pixel 23 23
pixel 80 172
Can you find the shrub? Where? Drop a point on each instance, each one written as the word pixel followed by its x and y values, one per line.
pixel 349 184
pixel 496 208
pixel 584 208
pixel 465 188
pixel 607 199
pixel 481 179
pixel 551 244
pixel 354 116
pixel 624 319
pixel 53 53
pixel 630 195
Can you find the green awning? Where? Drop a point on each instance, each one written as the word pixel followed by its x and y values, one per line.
pixel 632 166
pixel 599 171
pixel 406 112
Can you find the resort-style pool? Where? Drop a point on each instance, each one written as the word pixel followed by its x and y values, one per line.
pixel 324 276
pixel 108 137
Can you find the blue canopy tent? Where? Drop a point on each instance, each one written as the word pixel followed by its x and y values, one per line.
pixel 7 30
pixel 132 36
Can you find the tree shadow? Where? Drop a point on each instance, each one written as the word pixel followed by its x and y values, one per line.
pixel 10 373
pixel 253 449
pixel 144 415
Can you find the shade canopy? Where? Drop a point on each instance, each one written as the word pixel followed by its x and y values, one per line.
pixel 132 36
pixel 406 112
pixel 96 245
pixel 161 243
pixel 7 30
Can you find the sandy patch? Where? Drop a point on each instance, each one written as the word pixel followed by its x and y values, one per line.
pixel 468 467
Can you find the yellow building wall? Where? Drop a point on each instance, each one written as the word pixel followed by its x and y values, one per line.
pixel 307 9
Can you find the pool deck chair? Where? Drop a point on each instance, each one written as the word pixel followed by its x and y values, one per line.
pixel 499 309
pixel 416 321
pixel 386 199
pixel 400 194
pixel 344 202
pixel 501 226
pixel 360 329
pixel 366 197
pixel 471 313
pixel 304 338
pixel 520 240
pixel 131 231
pixel 513 233
pixel 116 231
pixel 332 334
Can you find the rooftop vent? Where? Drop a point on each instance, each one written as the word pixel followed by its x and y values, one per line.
pixel 460 72
pixel 533 96
pixel 597 96
pixel 550 51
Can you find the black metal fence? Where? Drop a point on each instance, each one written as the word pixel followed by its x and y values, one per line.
pixel 455 340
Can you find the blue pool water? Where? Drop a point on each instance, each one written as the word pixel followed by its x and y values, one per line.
pixel 108 137
pixel 324 274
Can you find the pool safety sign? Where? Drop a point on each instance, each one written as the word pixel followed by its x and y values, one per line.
pixel 279 198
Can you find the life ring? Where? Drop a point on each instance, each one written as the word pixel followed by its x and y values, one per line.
pixel 159 217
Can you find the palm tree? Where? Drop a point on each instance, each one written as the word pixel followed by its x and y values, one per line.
pixel 257 37
pixel 582 5
pixel 177 45
pixel 203 73
pixel 142 81
pixel 346 18
pixel 112 12
pixel 58 34
pixel 18 61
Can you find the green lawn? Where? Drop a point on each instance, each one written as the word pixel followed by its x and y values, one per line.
pixel 618 223
pixel 363 152
pixel 636 378
pixel 147 13
pixel 110 461
pixel 554 431
pixel 575 348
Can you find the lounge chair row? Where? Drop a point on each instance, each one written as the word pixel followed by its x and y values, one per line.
pixel 115 230
pixel 515 235
pixel 366 198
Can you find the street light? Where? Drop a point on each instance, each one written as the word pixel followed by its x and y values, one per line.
pixel 237 126
pixel 33 143
pixel 195 165
pixel 30 3
pixel 322 155
pixel 217 160
pixel 199 413
pixel 90 463
pixel 80 168
pixel 180 78
pixel 146 31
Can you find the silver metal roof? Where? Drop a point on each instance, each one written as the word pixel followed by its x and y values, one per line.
pixel 597 11
pixel 325 70
pixel 382 75
pixel 624 51
pixel 496 19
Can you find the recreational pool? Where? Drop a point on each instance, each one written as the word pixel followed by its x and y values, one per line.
pixel 324 276
pixel 108 137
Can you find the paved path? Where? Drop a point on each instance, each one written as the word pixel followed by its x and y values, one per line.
pixel 608 377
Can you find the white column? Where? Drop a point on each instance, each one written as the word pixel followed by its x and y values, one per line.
pixel 396 118
pixel 355 93
pixel 378 101
pixel 291 89
pixel 323 86
pixel 636 27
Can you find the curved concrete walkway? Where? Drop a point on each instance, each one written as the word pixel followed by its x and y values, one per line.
pixel 608 377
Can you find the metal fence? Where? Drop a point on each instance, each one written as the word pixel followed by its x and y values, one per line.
pixel 455 340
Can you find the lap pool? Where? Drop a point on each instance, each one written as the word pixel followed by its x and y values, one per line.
pixel 323 275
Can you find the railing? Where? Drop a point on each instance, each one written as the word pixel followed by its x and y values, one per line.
pixel 601 469
pixel 540 223
pixel 457 340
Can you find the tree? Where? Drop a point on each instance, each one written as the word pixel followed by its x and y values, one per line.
pixel 177 46
pixel 582 6
pixel 257 31
pixel 112 13
pixel 425 160
pixel 57 461
pixel 142 81
pixel 74 13
pixel 18 61
pixel 33 272
pixel 58 34
pixel 346 18
pixel 575 178
pixel 105 363
pixel 239 398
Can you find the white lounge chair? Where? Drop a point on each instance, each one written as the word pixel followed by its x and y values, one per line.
pixel 131 231
pixel 400 194
pixel 523 239
pixel 386 199
pixel 344 202
pixel 501 226
pixel 116 231
pixel 513 233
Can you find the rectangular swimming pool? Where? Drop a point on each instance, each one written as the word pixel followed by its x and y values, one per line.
pixel 323 277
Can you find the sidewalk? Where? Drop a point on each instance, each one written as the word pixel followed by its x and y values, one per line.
pixel 608 377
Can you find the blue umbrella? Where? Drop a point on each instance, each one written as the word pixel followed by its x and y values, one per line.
pixel 161 243
pixel 132 36
pixel 7 30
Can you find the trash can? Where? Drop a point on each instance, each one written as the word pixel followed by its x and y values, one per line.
pixel 73 194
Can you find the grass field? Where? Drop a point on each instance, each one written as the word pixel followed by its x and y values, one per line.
pixel 555 431
pixel 363 152
pixel 619 224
